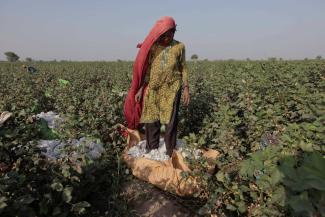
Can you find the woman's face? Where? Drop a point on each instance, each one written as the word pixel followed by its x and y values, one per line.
pixel 167 37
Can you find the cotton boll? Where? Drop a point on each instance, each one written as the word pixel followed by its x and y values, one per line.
pixel 53 119
pixel 158 154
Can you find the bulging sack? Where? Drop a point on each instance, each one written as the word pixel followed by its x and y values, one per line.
pixel 166 175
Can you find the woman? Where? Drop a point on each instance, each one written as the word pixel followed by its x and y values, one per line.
pixel 159 73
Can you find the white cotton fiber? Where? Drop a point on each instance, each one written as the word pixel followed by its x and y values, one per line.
pixel 159 154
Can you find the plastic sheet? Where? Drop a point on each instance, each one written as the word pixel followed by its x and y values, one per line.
pixel 53 119
pixel 56 149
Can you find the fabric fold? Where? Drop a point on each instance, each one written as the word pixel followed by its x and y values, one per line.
pixel 133 109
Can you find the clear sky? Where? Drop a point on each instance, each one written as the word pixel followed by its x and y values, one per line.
pixel 213 29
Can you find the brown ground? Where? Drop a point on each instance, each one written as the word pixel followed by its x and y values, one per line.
pixel 146 200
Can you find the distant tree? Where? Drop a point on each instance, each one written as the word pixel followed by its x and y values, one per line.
pixel 11 56
pixel 194 57
pixel 319 57
pixel 306 59
pixel 280 58
pixel 248 59
pixel 28 59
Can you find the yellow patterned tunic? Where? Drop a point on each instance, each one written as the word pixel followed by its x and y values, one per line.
pixel 167 70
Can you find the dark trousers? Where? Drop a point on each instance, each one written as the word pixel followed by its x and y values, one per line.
pixel 153 130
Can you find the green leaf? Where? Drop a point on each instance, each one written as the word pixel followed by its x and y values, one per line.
pixel 56 211
pixel 63 82
pixel 276 177
pixel 45 131
pixel 279 196
pixel 231 207
pixel 43 207
pixel 66 194
pixel 253 195
pixel 301 204
pixel 57 186
pixel 79 208
pixel 312 172
pixel 287 168
pixel 220 176
pixel 310 175
pixel 244 188
pixel 242 208
pixel 65 171
pixel 308 147
pixel 22 113
pixel 3 203
pixel 26 199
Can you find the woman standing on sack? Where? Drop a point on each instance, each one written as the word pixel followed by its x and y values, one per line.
pixel 159 77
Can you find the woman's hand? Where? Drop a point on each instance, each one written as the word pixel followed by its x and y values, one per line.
pixel 186 96
pixel 138 96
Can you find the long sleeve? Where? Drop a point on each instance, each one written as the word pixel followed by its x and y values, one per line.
pixel 147 75
pixel 183 66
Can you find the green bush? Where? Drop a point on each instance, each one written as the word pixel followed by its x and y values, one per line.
pixel 266 118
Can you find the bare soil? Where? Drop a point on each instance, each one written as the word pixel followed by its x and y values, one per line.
pixel 146 200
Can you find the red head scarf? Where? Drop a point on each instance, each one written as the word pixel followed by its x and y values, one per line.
pixel 133 109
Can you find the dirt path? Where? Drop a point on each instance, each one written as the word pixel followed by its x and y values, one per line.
pixel 146 200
